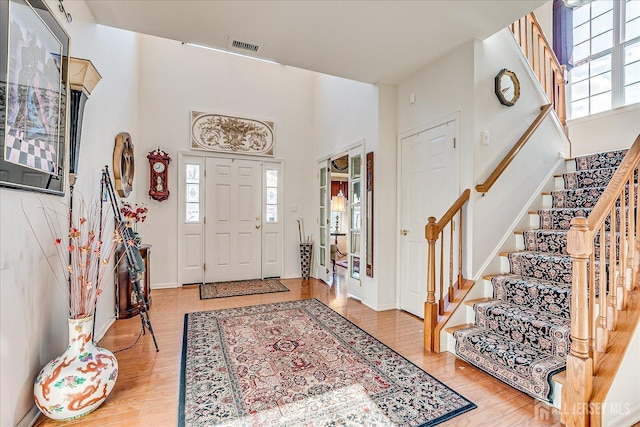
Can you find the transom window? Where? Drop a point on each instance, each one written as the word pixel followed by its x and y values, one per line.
pixel 606 57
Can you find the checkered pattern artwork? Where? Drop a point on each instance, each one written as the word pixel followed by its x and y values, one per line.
pixel 36 153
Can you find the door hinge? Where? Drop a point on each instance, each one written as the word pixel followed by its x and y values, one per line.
pixel 204 266
pixel 204 220
pixel 454 143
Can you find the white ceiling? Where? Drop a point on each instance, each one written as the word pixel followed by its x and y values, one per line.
pixel 370 41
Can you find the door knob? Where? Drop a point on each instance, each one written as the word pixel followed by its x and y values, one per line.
pixel 257 225
pixel 404 232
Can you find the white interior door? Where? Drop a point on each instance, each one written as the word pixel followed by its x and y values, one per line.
pixel 429 185
pixel 323 245
pixel 233 220
pixel 355 221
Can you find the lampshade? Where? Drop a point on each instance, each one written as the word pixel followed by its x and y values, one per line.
pixel 83 76
pixel 338 202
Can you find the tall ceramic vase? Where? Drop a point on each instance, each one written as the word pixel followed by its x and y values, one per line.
pixel 80 380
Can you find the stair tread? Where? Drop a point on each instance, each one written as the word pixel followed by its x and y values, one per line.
pixel 551 283
pixel 528 313
pixel 546 254
pixel 473 302
pixel 452 329
pixel 560 377
pixel 509 342
pixel 508 360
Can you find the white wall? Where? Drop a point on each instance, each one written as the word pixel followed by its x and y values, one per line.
pixel 33 313
pixel 176 79
pixel 380 292
pixel 608 130
pixel 346 113
pixel 496 212
pixel 622 404
pixel 463 81
pixel 441 89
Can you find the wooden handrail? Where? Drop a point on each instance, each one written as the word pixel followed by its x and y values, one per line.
pixel 432 231
pixel 543 61
pixel 504 163
pixel 602 293
pixel 455 207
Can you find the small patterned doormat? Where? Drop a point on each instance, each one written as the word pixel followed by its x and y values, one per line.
pixel 240 288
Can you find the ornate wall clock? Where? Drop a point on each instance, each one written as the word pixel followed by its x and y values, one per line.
pixel 158 174
pixel 507 87
pixel 123 164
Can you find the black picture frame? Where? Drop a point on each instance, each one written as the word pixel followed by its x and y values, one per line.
pixel 34 59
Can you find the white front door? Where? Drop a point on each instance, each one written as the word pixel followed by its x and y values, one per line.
pixel 429 185
pixel 233 220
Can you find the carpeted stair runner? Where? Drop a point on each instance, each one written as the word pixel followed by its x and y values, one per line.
pixel 580 197
pixel 522 335
pixel 555 241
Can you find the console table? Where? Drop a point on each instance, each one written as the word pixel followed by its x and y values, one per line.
pixel 126 301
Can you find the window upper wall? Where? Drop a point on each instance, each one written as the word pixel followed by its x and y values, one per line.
pixel 606 57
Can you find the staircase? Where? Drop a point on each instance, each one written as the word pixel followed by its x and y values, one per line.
pixel 522 334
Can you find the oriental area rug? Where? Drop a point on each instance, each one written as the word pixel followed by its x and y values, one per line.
pixel 299 363
pixel 240 287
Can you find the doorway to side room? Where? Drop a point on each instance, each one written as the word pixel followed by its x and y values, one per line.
pixel 338 249
pixel 340 220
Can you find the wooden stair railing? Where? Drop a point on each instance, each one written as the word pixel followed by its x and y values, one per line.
pixel 543 61
pixel 502 166
pixel 604 299
pixel 434 231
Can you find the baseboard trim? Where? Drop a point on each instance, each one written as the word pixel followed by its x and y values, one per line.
pixel 383 307
pixel 103 330
pixel 164 285
pixel 628 415
pixel 30 417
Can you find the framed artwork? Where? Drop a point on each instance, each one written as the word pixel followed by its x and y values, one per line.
pixel 33 64
pixel 234 135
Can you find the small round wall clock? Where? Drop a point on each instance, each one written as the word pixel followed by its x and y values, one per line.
pixel 158 174
pixel 507 87
pixel 123 164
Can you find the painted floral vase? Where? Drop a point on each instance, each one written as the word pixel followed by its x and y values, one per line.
pixel 80 380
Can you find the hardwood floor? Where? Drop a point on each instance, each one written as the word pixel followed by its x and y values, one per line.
pixel 147 390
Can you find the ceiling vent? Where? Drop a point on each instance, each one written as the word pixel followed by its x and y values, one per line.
pixel 245 46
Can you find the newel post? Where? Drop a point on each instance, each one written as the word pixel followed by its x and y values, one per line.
pixel 431 233
pixel 576 392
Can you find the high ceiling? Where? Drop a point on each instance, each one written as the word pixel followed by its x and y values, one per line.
pixel 368 41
